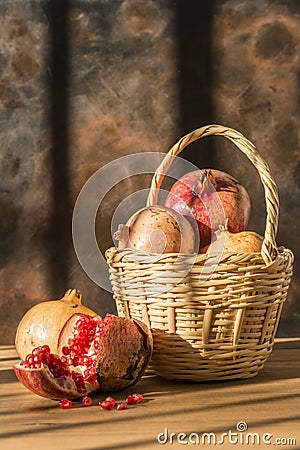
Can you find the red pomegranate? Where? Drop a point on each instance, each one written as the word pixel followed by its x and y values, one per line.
pixel 94 353
pixel 212 198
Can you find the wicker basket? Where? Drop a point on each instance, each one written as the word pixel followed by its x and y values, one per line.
pixel 222 327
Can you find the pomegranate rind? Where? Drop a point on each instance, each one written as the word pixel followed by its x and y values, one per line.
pixel 125 349
pixel 41 382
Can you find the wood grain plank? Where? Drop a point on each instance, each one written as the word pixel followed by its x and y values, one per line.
pixel 268 403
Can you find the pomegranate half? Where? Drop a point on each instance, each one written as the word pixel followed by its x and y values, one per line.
pixel 94 353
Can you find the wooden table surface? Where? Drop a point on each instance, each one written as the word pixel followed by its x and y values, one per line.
pixel 269 406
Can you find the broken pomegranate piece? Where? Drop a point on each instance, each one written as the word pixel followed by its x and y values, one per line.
pixel 93 354
pixel 49 375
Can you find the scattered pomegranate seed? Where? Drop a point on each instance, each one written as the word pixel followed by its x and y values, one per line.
pixel 111 399
pixel 122 405
pixel 137 397
pixel 106 405
pixel 65 404
pixel 133 399
pixel 86 401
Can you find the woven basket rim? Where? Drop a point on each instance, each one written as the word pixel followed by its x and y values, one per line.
pixel 134 255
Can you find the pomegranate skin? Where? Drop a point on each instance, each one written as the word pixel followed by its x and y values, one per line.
pixel 41 382
pixel 212 197
pixel 42 323
pixel 157 229
pixel 242 242
pixel 125 348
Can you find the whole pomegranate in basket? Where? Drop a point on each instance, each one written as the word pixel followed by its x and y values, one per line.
pixel 242 242
pixel 93 353
pixel 157 229
pixel 212 198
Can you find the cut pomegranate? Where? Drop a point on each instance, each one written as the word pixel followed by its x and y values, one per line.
pixel 94 354
pixel 49 375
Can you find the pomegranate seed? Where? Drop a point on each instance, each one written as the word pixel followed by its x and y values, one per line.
pixel 65 404
pixel 133 399
pixel 92 379
pixel 36 351
pixel 106 405
pixel 122 405
pixel 29 359
pixel 46 348
pixel 111 400
pixel 75 361
pixel 51 358
pixel 138 397
pixel 85 360
pixel 66 350
pixel 87 401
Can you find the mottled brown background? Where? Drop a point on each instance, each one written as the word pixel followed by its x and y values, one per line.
pixel 85 82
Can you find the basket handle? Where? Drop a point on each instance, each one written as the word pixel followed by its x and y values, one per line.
pixel 269 247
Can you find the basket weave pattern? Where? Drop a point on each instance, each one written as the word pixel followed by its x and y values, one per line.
pixel 218 326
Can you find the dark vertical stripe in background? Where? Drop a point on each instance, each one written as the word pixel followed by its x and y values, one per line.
pixel 194 31
pixel 59 72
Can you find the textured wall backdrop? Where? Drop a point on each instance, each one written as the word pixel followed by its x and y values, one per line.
pixel 85 82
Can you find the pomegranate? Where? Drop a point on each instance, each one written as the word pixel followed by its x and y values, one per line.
pixel 43 322
pixel 211 197
pixel 94 353
pixel 157 229
pixel 243 242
